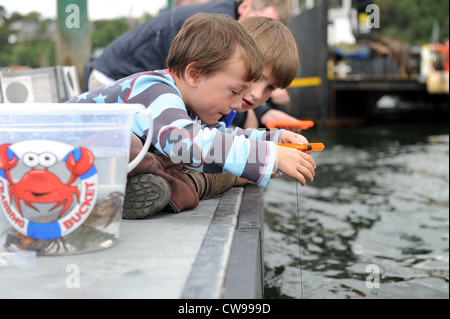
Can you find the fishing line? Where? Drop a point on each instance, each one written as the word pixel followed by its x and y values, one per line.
pixel 299 240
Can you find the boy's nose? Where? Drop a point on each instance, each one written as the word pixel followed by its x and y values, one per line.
pixel 237 103
pixel 257 93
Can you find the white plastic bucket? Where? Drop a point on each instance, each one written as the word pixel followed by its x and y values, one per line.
pixel 63 172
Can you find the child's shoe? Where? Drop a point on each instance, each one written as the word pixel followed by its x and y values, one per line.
pixel 210 185
pixel 145 195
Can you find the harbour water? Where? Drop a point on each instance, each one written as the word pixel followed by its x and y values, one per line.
pixel 374 223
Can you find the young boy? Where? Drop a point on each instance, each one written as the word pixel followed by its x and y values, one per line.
pixel 279 50
pixel 146 47
pixel 281 62
pixel 212 62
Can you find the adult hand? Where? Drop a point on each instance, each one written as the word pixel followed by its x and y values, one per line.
pixel 277 115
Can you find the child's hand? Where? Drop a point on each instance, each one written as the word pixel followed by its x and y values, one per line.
pixel 289 137
pixel 296 164
pixel 276 175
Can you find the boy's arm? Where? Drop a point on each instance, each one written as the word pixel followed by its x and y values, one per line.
pixel 252 133
pixel 206 149
pixel 209 150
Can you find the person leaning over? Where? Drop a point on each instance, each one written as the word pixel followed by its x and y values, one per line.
pixel 146 46
pixel 248 118
pixel 212 62
pixel 281 62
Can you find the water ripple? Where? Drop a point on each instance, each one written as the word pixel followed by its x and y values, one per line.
pixel 380 200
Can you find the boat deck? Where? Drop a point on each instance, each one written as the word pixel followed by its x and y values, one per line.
pixel 212 252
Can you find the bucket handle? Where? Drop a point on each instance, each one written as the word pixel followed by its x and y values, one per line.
pixel 147 113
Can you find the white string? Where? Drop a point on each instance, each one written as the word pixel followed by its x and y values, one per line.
pixel 299 240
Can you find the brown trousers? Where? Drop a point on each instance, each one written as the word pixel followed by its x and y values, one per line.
pixel 184 195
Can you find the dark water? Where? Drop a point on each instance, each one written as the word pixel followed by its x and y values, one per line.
pixel 377 213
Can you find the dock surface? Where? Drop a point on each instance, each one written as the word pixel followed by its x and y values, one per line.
pixel 211 252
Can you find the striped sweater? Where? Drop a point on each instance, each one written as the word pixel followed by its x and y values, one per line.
pixel 180 135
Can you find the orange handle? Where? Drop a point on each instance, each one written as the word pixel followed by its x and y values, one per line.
pixel 304 125
pixel 310 147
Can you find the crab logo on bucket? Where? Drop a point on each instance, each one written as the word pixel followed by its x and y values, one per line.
pixel 47 188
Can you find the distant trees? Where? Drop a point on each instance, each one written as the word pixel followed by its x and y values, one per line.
pixel 106 31
pixel 26 40
pixel 30 40
pixel 412 21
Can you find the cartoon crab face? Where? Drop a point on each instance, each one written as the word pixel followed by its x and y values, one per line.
pixel 27 184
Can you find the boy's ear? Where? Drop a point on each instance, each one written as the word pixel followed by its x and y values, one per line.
pixel 192 75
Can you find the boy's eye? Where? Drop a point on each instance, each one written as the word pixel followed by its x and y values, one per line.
pixel 236 93
pixel 271 88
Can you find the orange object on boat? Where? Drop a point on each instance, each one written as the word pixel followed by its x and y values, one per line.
pixel 309 147
pixel 304 125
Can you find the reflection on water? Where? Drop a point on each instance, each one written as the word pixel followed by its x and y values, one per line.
pixel 378 211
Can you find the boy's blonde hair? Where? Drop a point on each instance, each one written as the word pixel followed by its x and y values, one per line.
pixel 283 8
pixel 211 40
pixel 277 46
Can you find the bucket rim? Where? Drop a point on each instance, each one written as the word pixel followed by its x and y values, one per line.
pixel 69 108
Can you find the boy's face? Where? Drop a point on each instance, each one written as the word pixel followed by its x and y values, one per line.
pixel 259 92
pixel 218 94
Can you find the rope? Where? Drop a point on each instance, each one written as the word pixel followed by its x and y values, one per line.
pixel 299 241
